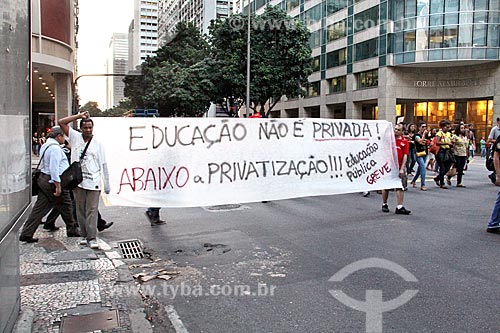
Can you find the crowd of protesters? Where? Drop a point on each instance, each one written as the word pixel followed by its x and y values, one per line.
pixel 454 147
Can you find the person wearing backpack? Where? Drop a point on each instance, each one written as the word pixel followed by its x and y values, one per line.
pixel 494 223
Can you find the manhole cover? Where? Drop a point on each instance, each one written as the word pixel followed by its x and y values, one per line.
pixel 105 320
pixel 131 249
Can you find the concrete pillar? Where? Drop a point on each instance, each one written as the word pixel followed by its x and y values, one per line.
pixel 63 94
pixel 353 110
pixel 496 110
pixel 387 95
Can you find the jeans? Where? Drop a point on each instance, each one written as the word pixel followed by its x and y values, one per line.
pixel 495 215
pixel 410 163
pixel 421 170
pixel 483 152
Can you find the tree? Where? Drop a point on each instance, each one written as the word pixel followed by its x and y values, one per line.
pixel 92 108
pixel 280 58
pixel 177 80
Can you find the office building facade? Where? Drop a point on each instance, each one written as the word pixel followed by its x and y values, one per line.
pixel 198 12
pixel 399 59
pixel 116 63
pixel 53 41
pixel 143 32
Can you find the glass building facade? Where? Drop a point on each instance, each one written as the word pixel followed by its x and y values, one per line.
pixel 384 59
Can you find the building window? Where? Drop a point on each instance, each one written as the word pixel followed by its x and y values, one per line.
pixel 436 38
pixel 291 4
pixel 366 19
pixel 337 84
pixel 333 6
pixel 366 49
pixel 368 79
pixel 336 58
pixel 313 89
pixel 312 15
pixel 336 31
pixel 316 64
pixel 315 39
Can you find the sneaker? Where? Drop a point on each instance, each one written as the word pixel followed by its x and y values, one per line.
pixel 83 241
pixel 494 230
pixel 461 185
pixel 93 244
pixel 385 208
pixel 403 211
pixel 366 193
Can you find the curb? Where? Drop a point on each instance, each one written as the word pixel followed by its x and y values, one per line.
pixel 24 321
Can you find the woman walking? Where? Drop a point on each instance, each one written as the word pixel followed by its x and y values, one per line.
pixel 460 148
pixel 421 154
pixel 444 157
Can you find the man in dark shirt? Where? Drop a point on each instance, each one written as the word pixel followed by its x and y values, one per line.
pixel 494 224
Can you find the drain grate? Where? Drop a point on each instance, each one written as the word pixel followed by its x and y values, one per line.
pixel 131 249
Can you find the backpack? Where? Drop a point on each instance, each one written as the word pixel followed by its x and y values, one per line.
pixel 489 159
pixel 433 147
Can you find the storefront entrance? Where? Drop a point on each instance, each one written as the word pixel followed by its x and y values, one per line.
pixel 479 113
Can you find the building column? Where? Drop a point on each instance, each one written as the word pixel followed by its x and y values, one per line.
pixel 64 95
pixel 387 96
pixel 496 110
pixel 353 110
pixel 387 109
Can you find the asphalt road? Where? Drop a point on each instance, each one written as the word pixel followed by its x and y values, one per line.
pixel 290 249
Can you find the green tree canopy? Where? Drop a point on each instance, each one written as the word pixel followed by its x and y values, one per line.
pixel 92 108
pixel 280 58
pixel 177 80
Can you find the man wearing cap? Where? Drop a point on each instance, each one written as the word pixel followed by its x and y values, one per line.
pixel 51 194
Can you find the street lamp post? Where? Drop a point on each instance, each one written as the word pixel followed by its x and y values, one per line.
pixel 248 62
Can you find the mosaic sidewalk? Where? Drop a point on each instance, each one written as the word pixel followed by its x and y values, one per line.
pixel 68 285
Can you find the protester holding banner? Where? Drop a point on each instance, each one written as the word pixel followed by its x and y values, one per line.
pixel 94 169
pixel 402 148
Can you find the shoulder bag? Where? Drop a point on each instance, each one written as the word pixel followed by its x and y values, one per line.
pixel 35 174
pixel 72 176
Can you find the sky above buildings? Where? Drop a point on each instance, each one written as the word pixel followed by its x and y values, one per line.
pixel 98 20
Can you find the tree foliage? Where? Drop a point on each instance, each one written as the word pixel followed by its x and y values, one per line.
pixel 121 110
pixel 92 108
pixel 189 72
pixel 177 80
pixel 280 59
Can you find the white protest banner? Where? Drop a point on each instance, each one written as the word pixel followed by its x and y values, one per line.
pixel 189 162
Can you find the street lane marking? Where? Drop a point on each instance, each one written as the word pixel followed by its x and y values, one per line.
pixel 175 320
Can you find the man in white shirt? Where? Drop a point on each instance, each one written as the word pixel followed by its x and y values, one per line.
pixel 94 169
pixel 51 194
